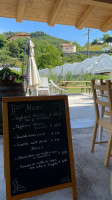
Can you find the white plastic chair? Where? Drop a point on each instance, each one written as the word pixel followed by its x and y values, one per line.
pixel 57 89
pixel 43 88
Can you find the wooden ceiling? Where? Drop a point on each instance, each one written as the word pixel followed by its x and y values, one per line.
pixel 78 13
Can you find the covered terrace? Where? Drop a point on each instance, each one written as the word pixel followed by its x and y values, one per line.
pixel 93 178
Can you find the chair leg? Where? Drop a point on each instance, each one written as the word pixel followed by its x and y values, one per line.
pixel 108 151
pixel 94 135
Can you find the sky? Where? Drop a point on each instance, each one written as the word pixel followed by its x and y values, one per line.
pixel 60 31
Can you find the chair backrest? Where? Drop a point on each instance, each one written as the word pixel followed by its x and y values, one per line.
pixel 44 86
pixel 102 82
pixel 43 82
pixel 102 100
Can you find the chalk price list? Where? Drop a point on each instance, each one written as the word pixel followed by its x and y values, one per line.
pixel 37 136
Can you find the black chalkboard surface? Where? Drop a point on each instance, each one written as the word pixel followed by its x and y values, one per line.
pixel 38 143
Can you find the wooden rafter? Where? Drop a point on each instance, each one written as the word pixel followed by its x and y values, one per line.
pixel 55 12
pixel 80 13
pixel 85 16
pixel 107 25
pixel 20 10
pixel 99 3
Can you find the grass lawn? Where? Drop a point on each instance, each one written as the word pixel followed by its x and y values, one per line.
pixel 76 90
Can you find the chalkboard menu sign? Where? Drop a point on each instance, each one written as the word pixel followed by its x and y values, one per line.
pixel 37 142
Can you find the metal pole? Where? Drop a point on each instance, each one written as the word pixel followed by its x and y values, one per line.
pixel 24 54
pixel 62 72
pixel 88 45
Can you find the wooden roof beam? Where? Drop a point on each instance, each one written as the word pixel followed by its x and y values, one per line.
pixel 55 12
pixel 107 25
pixel 87 13
pixel 20 10
pixel 104 4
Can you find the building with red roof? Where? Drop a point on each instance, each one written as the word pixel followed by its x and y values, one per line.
pixel 18 35
pixel 68 48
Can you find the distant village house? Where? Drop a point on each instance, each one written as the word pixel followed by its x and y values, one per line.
pixel 19 35
pixel 68 48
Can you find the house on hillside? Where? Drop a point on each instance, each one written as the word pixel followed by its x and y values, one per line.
pixel 19 35
pixel 68 48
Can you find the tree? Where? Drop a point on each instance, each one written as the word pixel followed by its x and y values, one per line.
pixel 69 76
pixel 81 57
pixel 41 36
pixel 8 34
pixel 48 57
pixel 78 47
pixel 105 36
pixel 109 39
pixel 21 44
pixel 3 41
pixel 13 48
pixel 38 34
pixel 76 58
pixel 95 41
pixel 4 57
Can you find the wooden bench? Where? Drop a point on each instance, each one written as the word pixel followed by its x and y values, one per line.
pixel 81 87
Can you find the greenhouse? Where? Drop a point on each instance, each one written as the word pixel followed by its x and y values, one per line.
pixel 94 65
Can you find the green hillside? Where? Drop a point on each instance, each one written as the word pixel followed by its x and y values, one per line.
pixel 48 52
pixel 38 35
pixel 93 48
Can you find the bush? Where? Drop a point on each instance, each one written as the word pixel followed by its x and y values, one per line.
pixel 89 77
pixel 53 76
pixel 69 76
pixel 5 59
pixel 13 48
pixel 8 74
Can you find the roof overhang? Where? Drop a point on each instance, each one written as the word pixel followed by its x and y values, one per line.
pixel 78 13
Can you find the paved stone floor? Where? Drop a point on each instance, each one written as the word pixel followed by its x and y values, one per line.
pixel 81 109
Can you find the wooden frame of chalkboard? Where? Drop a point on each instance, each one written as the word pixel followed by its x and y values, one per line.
pixel 46 118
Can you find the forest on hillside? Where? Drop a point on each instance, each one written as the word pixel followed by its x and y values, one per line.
pixel 48 52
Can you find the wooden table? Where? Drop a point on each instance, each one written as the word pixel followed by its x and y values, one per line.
pixel 77 84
